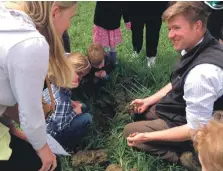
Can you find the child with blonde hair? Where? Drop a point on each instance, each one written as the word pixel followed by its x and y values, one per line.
pixel 208 141
pixel 71 120
pixel 102 64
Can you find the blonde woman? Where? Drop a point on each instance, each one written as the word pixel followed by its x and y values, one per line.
pixel 71 120
pixel 30 35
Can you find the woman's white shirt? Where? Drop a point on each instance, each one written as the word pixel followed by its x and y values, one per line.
pixel 24 58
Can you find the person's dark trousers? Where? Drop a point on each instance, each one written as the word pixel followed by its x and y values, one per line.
pixel 221 35
pixel 153 25
pixel 149 122
pixel 70 137
pixel 137 26
pixel 23 157
pixel 215 23
pixel 66 41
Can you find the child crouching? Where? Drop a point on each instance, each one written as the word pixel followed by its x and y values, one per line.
pixel 71 120
pixel 102 64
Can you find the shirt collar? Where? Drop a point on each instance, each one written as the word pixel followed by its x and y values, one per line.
pixel 65 90
pixel 183 52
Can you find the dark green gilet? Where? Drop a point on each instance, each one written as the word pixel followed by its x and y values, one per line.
pixel 172 107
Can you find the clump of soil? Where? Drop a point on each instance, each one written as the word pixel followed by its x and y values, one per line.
pixel 114 167
pixel 89 157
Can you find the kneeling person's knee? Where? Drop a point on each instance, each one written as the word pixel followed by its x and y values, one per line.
pixel 129 129
pixel 86 118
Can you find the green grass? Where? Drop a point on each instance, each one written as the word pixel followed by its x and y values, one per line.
pixel 153 79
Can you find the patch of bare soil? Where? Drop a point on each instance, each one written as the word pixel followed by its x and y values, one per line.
pixel 114 167
pixel 90 157
pixel 104 103
pixel 134 169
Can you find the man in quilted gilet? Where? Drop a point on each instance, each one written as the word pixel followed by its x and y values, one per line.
pixel 164 121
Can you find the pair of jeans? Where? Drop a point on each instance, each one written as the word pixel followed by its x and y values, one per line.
pixel 70 137
pixel 66 41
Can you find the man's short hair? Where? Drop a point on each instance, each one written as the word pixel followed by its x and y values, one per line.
pixel 191 10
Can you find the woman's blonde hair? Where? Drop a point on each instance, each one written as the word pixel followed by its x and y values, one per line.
pixel 79 64
pixel 208 141
pixel 40 12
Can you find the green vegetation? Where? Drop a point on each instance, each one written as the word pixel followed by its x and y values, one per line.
pixel 107 130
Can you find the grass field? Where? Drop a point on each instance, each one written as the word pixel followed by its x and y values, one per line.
pixel 109 134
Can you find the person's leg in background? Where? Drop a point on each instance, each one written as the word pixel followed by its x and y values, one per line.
pixel 114 38
pixel 137 33
pixel 23 157
pixel 221 35
pixel 66 41
pixel 153 25
pixel 214 24
pixel 113 54
pixel 71 136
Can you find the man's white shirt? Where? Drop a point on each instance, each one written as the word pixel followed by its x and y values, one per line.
pixel 203 86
